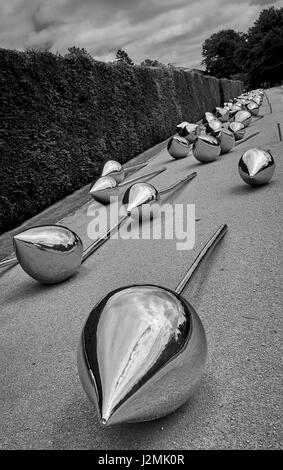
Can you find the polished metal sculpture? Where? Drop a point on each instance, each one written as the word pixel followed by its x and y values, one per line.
pixel 226 140
pixel 180 128
pixel 191 132
pixel 238 129
pixel 143 350
pixel 208 117
pixel 178 147
pixel 214 125
pixel 244 117
pixel 106 186
pixel 222 114
pixel 117 171
pixel 253 108
pixel 53 253
pixel 145 211
pixel 206 148
pixel 256 167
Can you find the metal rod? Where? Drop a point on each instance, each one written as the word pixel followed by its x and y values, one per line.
pixel 178 183
pixel 97 243
pixel 207 249
pixel 8 262
pixel 247 138
pixel 135 167
pixel 279 131
pixel 133 180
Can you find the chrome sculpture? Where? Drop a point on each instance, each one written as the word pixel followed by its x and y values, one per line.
pixel 234 110
pixel 253 108
pixel 238 129
pixel 208 117
pixel 180 128
pixel 256 167
pixel 144 211
pixel 106 186
pixel 143 350
pixel 53 253
pixel 191 132
pixel 206 148
pixel 214 125
pixel 244 117
pixel 178 147
pixel 226 140
pixel 222 114
pixel 117 171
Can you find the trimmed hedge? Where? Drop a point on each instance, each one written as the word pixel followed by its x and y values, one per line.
pixel 61 118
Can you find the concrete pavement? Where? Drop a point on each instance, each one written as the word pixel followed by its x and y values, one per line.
pixel 237 295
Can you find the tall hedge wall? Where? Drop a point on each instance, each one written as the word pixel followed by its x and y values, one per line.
pixel 62 117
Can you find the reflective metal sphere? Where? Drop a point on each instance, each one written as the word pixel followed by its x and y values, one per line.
pixel 104 188
pixel 181 127
pixel 114 169
pixel 238 130
pixel 244 117
pixel 226 140
pixel 49 253
pixel 256 167
pixel 206 149
pixel 253 108
pixel 191 132
pixel 222 114
pixel 213 125
pixel 142 352
pixel 139 199
pixel 178 147
pixel 208 117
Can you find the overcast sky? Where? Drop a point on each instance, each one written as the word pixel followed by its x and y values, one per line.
pixel 168 30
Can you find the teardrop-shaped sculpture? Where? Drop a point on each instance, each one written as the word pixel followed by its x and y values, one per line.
pixel 256 167
pixel 115 170
pixel 142 352
pixel 214 125
pixel 178 147
pixel 222 114
pixel 191 131
pixel 234 110
pixel 206 149
pixel 208 117
pixel 244 117
pixel 180 128
pixel 226 140
pixel 103 189
pixel 138 195
pixel 238 129
pixel 253 108
pixel 49 253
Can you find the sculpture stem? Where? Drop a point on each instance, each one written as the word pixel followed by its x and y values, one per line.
pixel 247 138
pixel 137 178
pixel 204 253
pixel 97 243
pixel 175 185
pixel 8 262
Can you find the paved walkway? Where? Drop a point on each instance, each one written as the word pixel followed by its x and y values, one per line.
pixel 236 295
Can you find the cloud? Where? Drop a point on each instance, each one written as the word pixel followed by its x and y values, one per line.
pixel 159 29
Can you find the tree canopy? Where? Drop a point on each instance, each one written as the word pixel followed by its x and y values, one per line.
pixel 255 56
pixel 122 57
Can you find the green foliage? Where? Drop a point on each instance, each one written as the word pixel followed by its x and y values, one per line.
pixel 264 59
pixel 123 58
pixel 255 57
pixel 63 117
pixel 221 53
pixel 152 63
